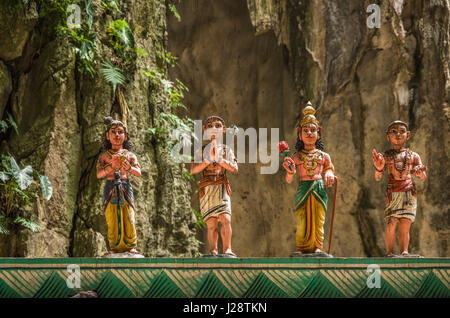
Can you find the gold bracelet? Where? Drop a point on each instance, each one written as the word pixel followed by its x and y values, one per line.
pixel 329 167
pixel 291 173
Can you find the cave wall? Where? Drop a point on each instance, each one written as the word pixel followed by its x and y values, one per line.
pixel 60 113
pixel 258 62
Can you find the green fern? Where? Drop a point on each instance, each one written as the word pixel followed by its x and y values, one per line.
pixel 27 224
pixel 200 222
pixel 174 10
pixel 12 123
pixel 113 75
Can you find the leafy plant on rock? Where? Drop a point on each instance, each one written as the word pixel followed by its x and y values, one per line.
pixel 171 130
pixel 122 39
pixel 15 196
pixel 82 38
pixel 112 74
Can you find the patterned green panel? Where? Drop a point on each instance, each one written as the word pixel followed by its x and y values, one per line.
pixel 216 278
pixel 90 279
pixel 54 287
pixel 321 287
pixel 164 287
pixel 348 282
pixel 291 282
pixel 112 287
pixel 212 287
pixel 7 292
pixel 435 285
pixel 189 281
pixel 24 282
pixel 136 281
pixel 263 287
pixel 385 291
pixel 237 281
pixel 405 282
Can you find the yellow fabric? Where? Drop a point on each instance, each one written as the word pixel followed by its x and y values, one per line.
pixel 121 227
pixel 310 219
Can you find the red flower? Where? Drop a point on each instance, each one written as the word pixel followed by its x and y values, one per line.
pixel 283 146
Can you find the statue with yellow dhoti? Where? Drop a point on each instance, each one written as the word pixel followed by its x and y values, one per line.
pixel 117 163
pixel 310 162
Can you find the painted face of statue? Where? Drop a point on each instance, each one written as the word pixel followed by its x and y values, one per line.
pixel 309 134
pixel 214 129
pixel 398 134
pixel 116 135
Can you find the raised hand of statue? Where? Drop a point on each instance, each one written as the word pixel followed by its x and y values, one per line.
pixel 214 152
pixel 289 162
pixel 126 165
pixel 116 162
pixel 378 160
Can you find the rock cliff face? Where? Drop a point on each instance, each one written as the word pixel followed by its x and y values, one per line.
pixel 258 62
pixel 60 113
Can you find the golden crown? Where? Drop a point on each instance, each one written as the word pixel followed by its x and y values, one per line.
pixel 308 116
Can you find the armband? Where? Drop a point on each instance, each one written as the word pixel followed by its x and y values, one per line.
pixel 329 167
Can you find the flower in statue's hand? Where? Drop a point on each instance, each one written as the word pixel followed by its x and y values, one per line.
pixel 283 148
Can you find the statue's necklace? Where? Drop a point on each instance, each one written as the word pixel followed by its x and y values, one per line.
pixel 115 152
pixel 309 161
pixel 400 168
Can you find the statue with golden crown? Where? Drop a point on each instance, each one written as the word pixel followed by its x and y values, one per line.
pixel 310 162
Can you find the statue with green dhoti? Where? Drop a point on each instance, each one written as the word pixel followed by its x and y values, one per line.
pixel 117 163
pixel 310 162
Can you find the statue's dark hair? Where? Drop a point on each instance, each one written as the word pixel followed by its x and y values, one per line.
pixel 109 121
pixel 300 145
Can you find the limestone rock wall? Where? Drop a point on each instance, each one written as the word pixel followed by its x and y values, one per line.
pixel 60 113
pixel 258 62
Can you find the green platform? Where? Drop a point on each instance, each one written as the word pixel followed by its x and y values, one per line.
pixel 225 277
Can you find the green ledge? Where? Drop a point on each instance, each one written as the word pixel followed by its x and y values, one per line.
pixel 226 277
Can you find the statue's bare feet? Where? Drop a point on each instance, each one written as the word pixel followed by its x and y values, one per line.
pixel 134 251
pixel 297 252
pixel 110 252
pixel 213 252
pixel 229 252
pixel 390 255
pixel 319 251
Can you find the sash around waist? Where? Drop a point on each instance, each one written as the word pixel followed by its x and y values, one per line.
pixel 400 185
